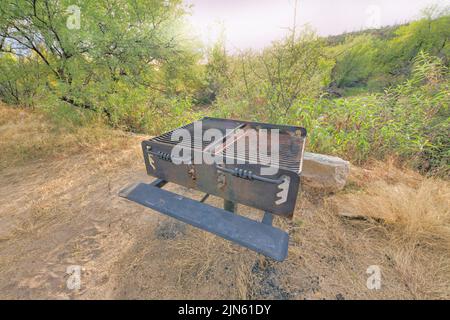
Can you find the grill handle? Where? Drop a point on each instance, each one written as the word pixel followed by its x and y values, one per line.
pixel 160 155
pixel 247 174
pixel 237 172
pixel 165 156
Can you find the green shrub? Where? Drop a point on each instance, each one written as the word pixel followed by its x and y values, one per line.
pixel 411 121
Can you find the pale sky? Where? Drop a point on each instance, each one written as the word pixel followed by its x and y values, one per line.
pixel 256 23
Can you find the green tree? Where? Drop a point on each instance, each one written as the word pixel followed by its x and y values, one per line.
pixel 217 71
pixel 112 62
pixel 265 85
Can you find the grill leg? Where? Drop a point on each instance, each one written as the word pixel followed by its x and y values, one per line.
pixel 159 183
pixel 268 218
pixel 206 196
pixel 229 206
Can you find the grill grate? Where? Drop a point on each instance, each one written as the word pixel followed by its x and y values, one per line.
pixel 291 142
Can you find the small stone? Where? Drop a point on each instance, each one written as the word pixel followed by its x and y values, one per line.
pixel 339 296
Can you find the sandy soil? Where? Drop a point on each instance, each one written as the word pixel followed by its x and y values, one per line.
pixel 54 214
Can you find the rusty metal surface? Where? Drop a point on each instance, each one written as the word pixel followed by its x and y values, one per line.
pixel 277 198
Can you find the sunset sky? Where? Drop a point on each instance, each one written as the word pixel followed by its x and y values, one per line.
pixel 255 23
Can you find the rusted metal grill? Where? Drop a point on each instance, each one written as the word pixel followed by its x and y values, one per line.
pixel 235 175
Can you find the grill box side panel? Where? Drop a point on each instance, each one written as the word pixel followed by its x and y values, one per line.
pixel 206 178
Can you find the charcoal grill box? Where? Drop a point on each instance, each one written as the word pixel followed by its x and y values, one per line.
pixel 237 178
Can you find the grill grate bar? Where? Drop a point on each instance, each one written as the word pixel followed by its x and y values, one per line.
pixel 290 148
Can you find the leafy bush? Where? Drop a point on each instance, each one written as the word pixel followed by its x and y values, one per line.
pixel 21 80
pixel 266 85
pixel 355 61
pixel 411 120
pixel 122 56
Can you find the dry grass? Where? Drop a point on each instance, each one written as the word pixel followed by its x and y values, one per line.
pixel 28 136
pixel 203 257
pixel 419 214
pixel 411 215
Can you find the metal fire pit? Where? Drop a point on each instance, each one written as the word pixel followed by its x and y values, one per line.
pixel 220 160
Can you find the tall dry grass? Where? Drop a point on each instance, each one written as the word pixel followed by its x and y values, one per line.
pixel 418 214
pixel 27 135
pixel 412 215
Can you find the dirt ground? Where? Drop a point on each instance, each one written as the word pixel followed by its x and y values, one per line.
pixel 64 212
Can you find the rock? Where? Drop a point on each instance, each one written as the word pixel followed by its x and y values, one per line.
pixel 324 172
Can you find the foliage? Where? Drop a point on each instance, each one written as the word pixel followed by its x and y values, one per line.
pixel 217 72
pixel 266 85
pixel 21 79
pixel 376 59
pixel 429 34
pixel 124 52
pixel 410 120
pixel 355 59
pixel 134 65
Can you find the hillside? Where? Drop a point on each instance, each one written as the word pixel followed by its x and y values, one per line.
pixel 61 208
pixel 384 33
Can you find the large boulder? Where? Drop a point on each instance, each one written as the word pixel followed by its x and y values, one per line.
pixel 324 172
